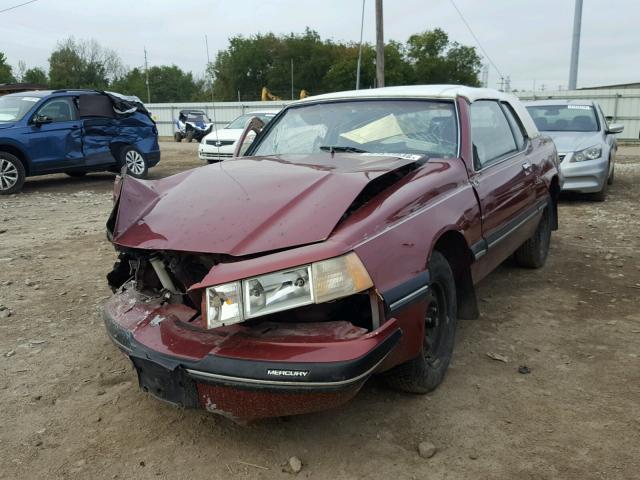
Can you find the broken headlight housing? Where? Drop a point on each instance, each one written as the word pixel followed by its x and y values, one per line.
pixel 590 153
pixel 285 289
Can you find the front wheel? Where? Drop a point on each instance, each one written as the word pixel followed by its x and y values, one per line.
pixel 12 174
pixel 533 253
pixel 425 372
pixel 177 137
pixel 134 161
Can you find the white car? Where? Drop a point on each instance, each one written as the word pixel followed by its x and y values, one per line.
pixel 219 144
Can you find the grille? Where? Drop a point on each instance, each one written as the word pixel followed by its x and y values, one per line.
pixel 219 143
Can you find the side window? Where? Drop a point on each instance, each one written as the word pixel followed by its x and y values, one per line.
pixel 490 132
pixel 515 125
pixel 59 110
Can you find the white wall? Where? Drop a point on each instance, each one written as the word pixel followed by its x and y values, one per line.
pixel 221 113
pixel 622 104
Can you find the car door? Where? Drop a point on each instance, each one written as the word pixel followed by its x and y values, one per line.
pixel 99 128
pixel 55 142
pixel 504 179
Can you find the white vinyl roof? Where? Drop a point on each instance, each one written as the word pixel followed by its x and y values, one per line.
pixel 445 92
pixel 428 91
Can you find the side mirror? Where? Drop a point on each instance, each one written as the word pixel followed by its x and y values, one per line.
pixel 254 125
pixel 42 119
pixel 615 128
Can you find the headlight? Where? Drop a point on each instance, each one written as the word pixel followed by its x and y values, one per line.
pixel 286 289
pixel 590 153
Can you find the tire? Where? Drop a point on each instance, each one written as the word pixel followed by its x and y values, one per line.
pixel 189 137
pixel 425 372
pixel 177 137
pixel 77 174
pixel 12 174
pixel 612 176
pixel 533 253
pixel 134 161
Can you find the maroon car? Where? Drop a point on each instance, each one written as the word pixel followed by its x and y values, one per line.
pixel 345 243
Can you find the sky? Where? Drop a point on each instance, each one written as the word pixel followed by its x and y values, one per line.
pixel 528 40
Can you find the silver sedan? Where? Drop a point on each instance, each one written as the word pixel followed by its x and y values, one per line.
pixel 586 143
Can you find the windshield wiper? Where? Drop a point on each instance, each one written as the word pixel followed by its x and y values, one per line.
pixel 338 148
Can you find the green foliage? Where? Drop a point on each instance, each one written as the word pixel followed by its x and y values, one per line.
pixel 262 60
pixel 324 66
pixel 83 64
pixel 35 75
pixel 437 60
pixel 6 72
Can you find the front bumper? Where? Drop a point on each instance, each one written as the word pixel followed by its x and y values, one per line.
pixel 245 372
pixel 584 177
pixel 209 153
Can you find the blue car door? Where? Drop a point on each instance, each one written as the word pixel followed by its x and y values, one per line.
pixel 55 137
pixel 99 128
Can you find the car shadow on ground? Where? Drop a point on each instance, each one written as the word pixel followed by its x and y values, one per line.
pixel 102 182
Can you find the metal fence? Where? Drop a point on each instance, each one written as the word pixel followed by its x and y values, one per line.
pixel 221 113
pixel 623 105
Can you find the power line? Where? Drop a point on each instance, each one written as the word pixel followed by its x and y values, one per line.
pixel 17 6
pixel 476 38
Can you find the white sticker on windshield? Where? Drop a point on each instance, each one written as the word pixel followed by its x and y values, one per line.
pixel 405 156
pixel 579 107
pixel 30 99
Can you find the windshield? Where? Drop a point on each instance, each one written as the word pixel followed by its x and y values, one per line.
pixel 13 108
pixel 242 120
pixel 197 117
pixel 424 127
pixel 564 118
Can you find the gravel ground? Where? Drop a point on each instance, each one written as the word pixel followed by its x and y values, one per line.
pixel 70 407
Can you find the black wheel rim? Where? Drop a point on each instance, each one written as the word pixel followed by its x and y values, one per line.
pixel 436 324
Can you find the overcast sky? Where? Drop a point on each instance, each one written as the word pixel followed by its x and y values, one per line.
pixel 528 40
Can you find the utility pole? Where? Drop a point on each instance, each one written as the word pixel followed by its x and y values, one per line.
pixel 146 72
pixel 379 45
pixel 206 41
pixel 575 46
pixel 292 79
pixel 360 49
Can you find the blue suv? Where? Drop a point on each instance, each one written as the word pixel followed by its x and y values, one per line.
pixel 74 132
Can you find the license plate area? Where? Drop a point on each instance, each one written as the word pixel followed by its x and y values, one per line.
pixel 172 386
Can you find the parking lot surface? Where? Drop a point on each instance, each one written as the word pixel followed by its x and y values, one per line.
pixel 70 406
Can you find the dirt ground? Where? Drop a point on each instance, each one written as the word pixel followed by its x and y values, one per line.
pixel 70 406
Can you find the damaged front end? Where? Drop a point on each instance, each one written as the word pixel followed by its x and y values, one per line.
pixel 227 296
pixel 285 362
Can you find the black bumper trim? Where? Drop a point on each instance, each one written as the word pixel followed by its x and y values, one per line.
pixel 252 374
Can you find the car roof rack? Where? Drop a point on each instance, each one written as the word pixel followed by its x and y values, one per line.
pixel 76 90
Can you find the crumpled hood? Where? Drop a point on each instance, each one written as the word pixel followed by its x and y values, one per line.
pixel 246 206
pixel 573 141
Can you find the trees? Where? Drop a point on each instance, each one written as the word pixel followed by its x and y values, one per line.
pixel 35 75
pixel 262 60
pixel 250 63
pixel 83 64
pixel 6 72
pixel 435 59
